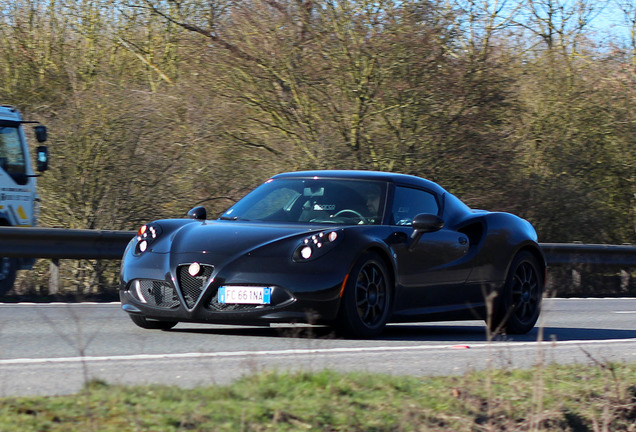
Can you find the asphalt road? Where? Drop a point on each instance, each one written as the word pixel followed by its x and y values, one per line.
pixel 50 349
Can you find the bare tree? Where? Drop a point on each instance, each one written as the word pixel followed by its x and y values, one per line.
pixel 479 22
pixel 628 8
pixel 559 24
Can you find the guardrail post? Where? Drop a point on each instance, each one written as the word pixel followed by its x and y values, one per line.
pixel 625 276
pixel 576 278
pixel 54 276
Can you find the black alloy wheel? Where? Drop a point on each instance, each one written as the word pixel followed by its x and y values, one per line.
pixel 526 293
pixel 145 323
pixel 520 306
pixel 366 301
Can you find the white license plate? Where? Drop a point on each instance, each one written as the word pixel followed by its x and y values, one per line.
pixel 244 295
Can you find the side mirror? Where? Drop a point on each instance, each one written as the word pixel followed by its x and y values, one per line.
pixel 198 213
pixel 42 158
pixel 40 133
pixel 424 223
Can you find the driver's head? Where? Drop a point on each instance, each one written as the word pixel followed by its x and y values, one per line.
pixel 373 199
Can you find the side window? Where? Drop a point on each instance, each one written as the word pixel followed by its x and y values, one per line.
pixel 409 202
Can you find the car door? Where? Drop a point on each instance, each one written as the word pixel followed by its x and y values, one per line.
pixel 429 273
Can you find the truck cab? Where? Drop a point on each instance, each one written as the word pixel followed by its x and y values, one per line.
pixel 19 205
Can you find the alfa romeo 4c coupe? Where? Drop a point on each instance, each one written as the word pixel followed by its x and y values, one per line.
pixel 350 249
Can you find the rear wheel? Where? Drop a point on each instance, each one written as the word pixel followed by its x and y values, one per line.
pixel 366 300
pixel 518 309
pixel 8 267
pixel 145 323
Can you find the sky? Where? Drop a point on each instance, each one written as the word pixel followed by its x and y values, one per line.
pixel 610 24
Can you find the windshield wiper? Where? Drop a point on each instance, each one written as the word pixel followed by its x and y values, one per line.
pixel 232 218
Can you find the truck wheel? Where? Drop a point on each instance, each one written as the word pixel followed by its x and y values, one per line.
pixel 7 274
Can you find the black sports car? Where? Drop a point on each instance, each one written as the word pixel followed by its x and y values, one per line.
pixel 353 249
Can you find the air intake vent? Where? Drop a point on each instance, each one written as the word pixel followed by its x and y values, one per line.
pixel 192 286
pixel 155 293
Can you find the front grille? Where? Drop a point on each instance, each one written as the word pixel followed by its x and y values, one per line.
pixel 192 286
pixel 156 293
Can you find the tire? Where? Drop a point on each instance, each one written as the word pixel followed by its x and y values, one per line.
pixel 367 298
pixel 518 309
pixel 145 323
pixel 8 267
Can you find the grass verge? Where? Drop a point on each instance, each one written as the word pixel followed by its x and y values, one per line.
pixel 600 397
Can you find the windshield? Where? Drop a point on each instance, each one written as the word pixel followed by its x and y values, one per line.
pixel 338 201
pixel 11 150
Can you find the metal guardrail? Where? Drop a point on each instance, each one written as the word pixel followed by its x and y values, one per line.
pixel 59 243
pixel 598 254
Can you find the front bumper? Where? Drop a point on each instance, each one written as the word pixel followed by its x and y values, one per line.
pixel 300 294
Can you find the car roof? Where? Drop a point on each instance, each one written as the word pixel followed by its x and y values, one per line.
pixel 403 179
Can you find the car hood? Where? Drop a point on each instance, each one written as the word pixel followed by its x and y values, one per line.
pixel 229 237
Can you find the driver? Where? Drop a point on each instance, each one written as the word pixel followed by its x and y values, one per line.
pixel 372 196
pixel 373 202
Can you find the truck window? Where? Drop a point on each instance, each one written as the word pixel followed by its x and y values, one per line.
pixel 11 151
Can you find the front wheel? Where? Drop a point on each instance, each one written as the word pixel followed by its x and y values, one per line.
pixel 8 267
pixel 519 305
pixel 145 323
pixel 366 301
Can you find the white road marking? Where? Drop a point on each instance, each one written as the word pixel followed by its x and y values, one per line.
pixel 296 352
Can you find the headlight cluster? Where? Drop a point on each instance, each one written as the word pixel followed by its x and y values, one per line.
pixel 316 245
pixel 146 235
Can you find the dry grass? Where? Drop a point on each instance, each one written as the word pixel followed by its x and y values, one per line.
pixel 597 397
